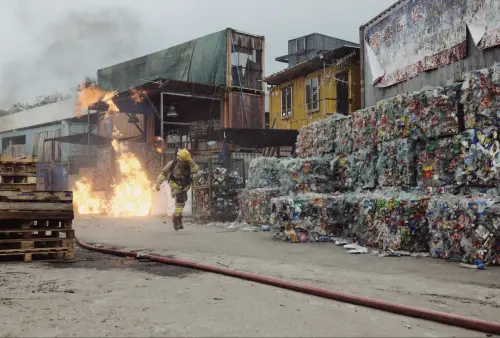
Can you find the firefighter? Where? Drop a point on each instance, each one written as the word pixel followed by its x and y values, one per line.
pixel 178 174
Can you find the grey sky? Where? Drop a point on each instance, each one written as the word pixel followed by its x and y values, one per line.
pixel 49 46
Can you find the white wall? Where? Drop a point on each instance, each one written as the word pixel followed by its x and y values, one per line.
pixel 49 113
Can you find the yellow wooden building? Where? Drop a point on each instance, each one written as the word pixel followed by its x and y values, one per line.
pixel 315 89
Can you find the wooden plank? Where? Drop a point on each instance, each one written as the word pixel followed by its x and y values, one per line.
pixel 32 250
pixel 5 173
pixel 24 160
pixel 18 186
pixel 66 196
pixel 36 215
pixel 36 234
pixel 35 206
pixel 68 255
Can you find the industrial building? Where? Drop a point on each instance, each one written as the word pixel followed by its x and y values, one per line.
pixel 322 78
pixel 209 83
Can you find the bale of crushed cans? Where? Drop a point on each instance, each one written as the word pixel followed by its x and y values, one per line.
pixel 265 172
pixel 465 228
pixel 395 222
pixel 393 118
pixel 481 97
pixel 342 141
pixel 312 217
pixel 302 175
pixel 255 205
pixel 480 157
pixel 355 171
pixel 364 133
pixel 438 160
pixel 396 163
pixel 362 168
pixel 434 110
pixel 316 138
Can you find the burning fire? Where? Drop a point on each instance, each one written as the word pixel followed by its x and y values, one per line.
pixel 131 194
pixel 137 95
pixel 88 96
pixel 83 192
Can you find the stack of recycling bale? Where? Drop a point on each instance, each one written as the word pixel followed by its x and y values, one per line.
pixel 264 175
pixel 395 164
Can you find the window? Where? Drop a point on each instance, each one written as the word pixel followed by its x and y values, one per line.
pixel 267 120
pixel 312 95
pixel 300 45
pixel 286 102
pixel 246 67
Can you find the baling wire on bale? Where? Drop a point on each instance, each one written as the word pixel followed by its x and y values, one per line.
pixel 410 311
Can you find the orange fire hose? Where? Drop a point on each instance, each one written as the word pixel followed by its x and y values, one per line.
pixel 439 317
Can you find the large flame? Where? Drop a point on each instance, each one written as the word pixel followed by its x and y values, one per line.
pixel 137 95
pixel 86 202
pixel 131 193
pixel 88 96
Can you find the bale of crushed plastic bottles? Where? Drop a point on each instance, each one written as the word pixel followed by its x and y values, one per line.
pixel 265 172
pixel 303 175
pixel 255 205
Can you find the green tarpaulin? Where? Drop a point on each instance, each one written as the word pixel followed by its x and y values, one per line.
pixel 202 60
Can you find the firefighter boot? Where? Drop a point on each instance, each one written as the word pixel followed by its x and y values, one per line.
pixel 175 220
pixel 179 223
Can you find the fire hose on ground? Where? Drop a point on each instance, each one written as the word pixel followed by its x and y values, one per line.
pixel 439 317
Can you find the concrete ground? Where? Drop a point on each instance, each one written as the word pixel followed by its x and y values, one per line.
pixel 103 295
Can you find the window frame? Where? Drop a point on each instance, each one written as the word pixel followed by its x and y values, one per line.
pixel 313 105
pixel 286 113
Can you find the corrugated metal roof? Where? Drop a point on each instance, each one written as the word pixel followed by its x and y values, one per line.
pixel 308 66
pixel 391 7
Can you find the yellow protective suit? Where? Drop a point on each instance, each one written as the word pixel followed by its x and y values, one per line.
pixel 178 174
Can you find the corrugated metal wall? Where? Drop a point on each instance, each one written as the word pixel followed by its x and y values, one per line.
pixel 120 122
pixel 31 137
pixel 252 106
pixel 476 59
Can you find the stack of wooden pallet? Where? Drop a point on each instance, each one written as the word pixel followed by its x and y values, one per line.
pixel 36 225
pixel 18 173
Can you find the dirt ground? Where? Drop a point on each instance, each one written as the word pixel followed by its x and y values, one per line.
pixel 102 295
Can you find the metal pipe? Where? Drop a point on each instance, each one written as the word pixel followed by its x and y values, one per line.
pixel 161 127
pixel 88 131
pixel 324 99
pixel 196 96
pixel 400 309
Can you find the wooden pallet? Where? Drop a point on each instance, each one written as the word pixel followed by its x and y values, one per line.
pixel 16 178
pixel 36 205
pixel 42 239
pixel 36 225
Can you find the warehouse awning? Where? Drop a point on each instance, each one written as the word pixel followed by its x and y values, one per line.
pixel 253 138
pixel 83 139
